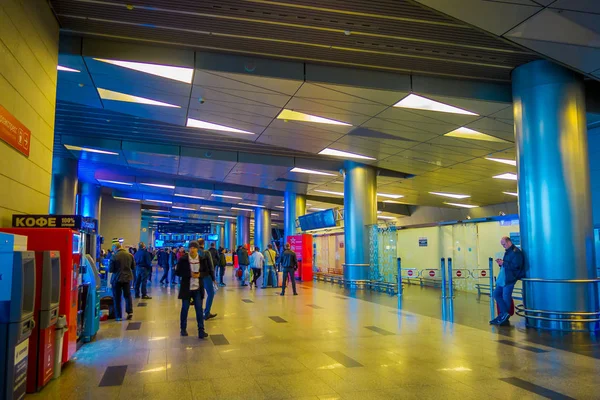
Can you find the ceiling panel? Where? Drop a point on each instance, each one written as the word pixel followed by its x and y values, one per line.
pixel 205 168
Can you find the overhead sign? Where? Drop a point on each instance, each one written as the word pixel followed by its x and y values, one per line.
pixel 422 242
pixel 184 228
pixel 75 222
pixel 14 133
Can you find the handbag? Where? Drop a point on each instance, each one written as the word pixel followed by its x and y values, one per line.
pixel 238 273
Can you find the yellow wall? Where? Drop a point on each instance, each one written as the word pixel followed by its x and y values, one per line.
pixel 28 59
pixel 120 219
pixel 414 256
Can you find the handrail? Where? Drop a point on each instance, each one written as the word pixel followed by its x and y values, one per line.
pixel 542 280
pixel 521 307
pixel 521 311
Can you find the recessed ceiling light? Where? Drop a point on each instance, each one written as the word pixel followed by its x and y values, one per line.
pixel 182 208
pixel 125 198
pixel 157 185
pixel 466 133
pixel 217 223
pixel 316 209
pixel 155 211
pixel 160 201
pixel 226 217
pixel 211 209
pixel 452 195
pixel 345 154
pixel 310 171
pixel 509 176
pixel 176 220
pixel 298 116
pixel 158 216
pixel 330 192
pixel 189 196
pixel 226 196
pixel 274 215
pixel 461 205
pixel 417 102
pixel 161 222
pixel 241 209
pixel 391 196
pixel 503 161
pixel 106 94
pixel 279 207
pixel 392 202
pixel 195 123
pixel 66 69
pixel 251 205
pixel 385 217
pixel 114 182
pixel 180 74
pixel 512 194
pixel 90 150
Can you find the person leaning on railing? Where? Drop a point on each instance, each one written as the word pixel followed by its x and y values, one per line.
pixel 512 268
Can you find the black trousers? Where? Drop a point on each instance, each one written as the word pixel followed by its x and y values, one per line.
pixel 288 272
pixel 221 273
pixel 122 290
pixel 165 275
pixel 255 274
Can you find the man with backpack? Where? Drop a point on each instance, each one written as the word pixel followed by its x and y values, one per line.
pixel 512 268
pixel 121 267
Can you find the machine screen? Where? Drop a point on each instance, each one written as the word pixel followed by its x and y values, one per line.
pixel 76 243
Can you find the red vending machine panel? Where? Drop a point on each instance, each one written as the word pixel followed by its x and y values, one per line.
pixel 302 245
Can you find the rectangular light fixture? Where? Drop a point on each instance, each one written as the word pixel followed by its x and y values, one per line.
pixel 160 201
pixel 157 185
pixel 251 205
pixel 279 207
pixel 466 133
pixel 274 215
pixel 106 94
pixel 180 74
pixel 385 217
pixel 182 208
pixel 417 102
pixel 310 171
pixel 512 194
pixel 125 198
pixel 316 209
pixel 461 205
pixel 161 222
pixel 90 150
pixel 392 202
pixel 391 196
pixel 189 196
pixel 176 220
pixel 114 182
pixel 226 217
pixel 503 161
pixel 155 211
pixel 211 209
pixel 509 176
pixel 225 196
pixel 241 209
pixel 344 154
pixel 195 123
pixel 66 69
pixel 451 195
pixel 289 115
pixel 158 216
pixel 330 192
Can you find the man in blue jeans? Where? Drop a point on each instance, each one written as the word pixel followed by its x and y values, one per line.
pixel 512 268
pixel 191 287
pixel 143 266
pixel 207 274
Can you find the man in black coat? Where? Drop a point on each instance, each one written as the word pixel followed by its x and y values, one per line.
pixel 121 266
pixel 289 264
pixel 191 286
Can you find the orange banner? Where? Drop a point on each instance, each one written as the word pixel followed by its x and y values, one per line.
pixel 13 132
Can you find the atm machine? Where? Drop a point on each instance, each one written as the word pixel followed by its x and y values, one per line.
pixel 17 294
pixel 91 294
pixel 42 340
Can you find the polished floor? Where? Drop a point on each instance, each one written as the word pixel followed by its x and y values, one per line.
pixel 326 343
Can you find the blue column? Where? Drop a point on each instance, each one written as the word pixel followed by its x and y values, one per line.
pixel 243 230
pixel 262 228
pixel 554 194
pixel 229 241
pixel 360 211
pixel 63 192
pixel 90 200
pixel 295 206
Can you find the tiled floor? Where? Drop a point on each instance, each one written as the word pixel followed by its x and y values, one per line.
pixel 323 344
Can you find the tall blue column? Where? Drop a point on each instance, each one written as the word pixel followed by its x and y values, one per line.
pixel 262 228
pixel 360 211
pixel 243 230
pixel 230 241
pixel 294 207
pixel 63 192
pixel 90 200
pixel 554 195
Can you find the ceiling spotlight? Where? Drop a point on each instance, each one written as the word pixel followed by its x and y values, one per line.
pixel 106 94
pixel 195 123
pixel 344 154
pixel 466 133
pixel 417 102
pixel 509 176
pixel 290 115
pixel 180 74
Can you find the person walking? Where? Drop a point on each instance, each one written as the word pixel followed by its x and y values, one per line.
pixel 143 264
pixel 289 264
pixel 163 261
pixel 191 287
pixel 207 274
pixel 215 255
pixel 257 262
pixel 121 266
pixel 511 270
pixel 173 265
pixel 222 264
pixel 243 262
pixel 270 265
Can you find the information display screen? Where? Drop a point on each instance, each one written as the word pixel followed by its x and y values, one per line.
pixel 318 220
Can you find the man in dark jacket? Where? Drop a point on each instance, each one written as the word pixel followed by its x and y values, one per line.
pixel 121 266
pixel 207 273
pixel 173 264
pixel 143 265
pixel 215 255
pixel 222 264
pixel 191 286
pixel 289 264
pixel 243 262
pixel 163 262
pixel 512 268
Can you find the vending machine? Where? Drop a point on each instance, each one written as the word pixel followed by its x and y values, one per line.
pixel 17 295
pixel 42 340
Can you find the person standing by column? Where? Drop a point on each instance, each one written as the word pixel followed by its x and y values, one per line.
pixel 163 261
pixel 222 265
pixel 511 270
pixel 122 266
pixel 270 264
pixel 143 265
pixel 257 262
pixel 191 287
pixel 207 274
pixel 289 264
pixel 243 261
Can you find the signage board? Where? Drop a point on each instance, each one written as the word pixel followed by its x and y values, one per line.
pixel 14 133
pixel 184 228
pixel 422 242
pixel 20 369
pixel 295 242
pixel 515 238
pixel 75 222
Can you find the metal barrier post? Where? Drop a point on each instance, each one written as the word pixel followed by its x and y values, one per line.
pixel 450 288
pixel 399 277
pixel 443 274
pixel 492 308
